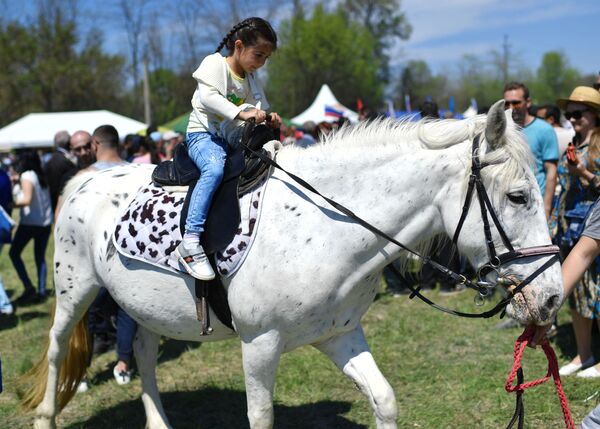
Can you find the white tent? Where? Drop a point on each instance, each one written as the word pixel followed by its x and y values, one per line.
pixel 38 129
pixel 325 107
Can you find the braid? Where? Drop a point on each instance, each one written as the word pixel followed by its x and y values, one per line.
pixel 236 27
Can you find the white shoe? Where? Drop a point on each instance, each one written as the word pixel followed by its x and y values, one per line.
pixel 83 386
pixel 591 372
pixel 194 260
pixel 122 377
pixel 572 368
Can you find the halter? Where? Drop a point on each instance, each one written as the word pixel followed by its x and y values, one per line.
pixel 495 261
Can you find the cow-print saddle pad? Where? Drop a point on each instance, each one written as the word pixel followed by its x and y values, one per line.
pixel 148 229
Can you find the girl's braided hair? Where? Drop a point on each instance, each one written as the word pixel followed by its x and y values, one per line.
pixel 248 31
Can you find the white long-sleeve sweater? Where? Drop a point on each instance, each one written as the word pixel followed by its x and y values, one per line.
pixel 212 110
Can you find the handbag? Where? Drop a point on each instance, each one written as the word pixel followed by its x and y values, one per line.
pixel 576 219
pixel 6 226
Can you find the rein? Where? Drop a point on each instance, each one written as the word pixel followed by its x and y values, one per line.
pixel 519 388
pixel 475 183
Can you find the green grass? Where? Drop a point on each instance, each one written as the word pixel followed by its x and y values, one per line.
pixel 447 372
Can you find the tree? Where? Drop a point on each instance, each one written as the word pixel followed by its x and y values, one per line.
pixel 41 69
pixel 327 48
pixel 417 81
pixel 555 78
pixel 384 21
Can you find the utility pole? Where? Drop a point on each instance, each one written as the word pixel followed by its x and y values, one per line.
pixel 147 111
pixel 505 58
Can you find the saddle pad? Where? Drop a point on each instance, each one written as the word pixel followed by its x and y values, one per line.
pixel 148 229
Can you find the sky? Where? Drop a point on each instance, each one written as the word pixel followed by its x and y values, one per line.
pixel 444 31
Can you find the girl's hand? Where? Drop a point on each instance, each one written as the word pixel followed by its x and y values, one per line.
pixel 274 121
pixel 257 114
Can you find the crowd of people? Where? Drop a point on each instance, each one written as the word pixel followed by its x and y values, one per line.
pixel 32 182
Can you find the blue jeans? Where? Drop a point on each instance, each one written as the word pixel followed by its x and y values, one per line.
pixel 209 153
pixel 40 236
pixel 4 301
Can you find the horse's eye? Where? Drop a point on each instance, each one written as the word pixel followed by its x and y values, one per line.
pixel 517 198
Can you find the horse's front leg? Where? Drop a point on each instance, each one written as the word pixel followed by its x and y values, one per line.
pixel 260 359
pixel 351 354
pixel 146 351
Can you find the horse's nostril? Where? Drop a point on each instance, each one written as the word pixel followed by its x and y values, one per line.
pixel 552 302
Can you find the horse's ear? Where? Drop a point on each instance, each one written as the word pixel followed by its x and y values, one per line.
pixel 496 125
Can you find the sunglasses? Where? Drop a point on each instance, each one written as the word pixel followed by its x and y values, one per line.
pixel 514 103
pixel 575 114
pixel 83 148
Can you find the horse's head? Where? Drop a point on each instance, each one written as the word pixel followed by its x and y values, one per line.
pixel 507 176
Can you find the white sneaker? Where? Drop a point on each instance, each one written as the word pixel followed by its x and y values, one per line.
pixel 572 368
pixel 122 377
pixel 194 260
pixel 83 386
pixel 591 372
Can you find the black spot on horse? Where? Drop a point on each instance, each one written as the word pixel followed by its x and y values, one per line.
pixel 115 203
pixel 80 220
pixel 174 227
pixel 125 217
pixel 154 228
pixel 57 265
pixel 172 215
pixel 308 240
pixel 255 204
pixel 242 246
pixel 105 235
pixel 124 243
pixel 153 253
pixel 161 217
pixel 141 246
pixel 119 175
pixel 132 230
pixel 117 229
pixel 154 239
pixel 134 214
pixel 251 224
pixel 231 251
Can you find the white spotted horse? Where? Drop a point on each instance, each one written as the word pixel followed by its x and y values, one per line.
pixel 312 272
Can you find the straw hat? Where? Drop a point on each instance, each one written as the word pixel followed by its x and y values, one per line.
pixel 584 95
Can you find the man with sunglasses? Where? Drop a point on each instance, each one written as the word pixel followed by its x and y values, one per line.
pixel 540 136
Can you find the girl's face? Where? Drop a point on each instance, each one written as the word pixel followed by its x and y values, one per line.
pixel 251 58
pixel 582 117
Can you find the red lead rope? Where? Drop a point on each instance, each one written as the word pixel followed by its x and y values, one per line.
pixel 517 371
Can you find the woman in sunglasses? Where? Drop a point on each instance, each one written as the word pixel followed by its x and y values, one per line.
pixel 578 188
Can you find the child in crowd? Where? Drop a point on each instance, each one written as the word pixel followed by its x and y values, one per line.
pixel 227 93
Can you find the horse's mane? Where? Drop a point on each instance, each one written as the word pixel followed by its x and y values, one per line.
pixel 506 163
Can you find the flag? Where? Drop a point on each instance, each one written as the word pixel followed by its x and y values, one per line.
pixel 407 103
pixel 391 111
pixel 474 104
pixel 332 111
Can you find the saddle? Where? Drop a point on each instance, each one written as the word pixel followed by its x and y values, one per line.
pixel 224 215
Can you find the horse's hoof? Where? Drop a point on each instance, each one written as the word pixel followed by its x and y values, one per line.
pixel 44 423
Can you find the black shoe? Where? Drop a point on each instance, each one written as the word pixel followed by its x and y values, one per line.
pixel 28 296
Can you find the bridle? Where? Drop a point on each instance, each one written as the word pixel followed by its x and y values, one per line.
pixel 495 261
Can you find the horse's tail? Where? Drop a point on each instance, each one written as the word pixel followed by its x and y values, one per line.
pixel 72 370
